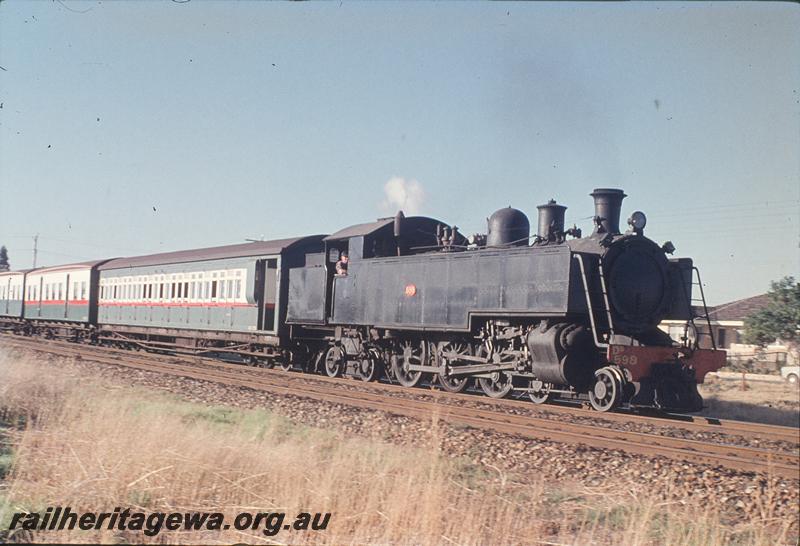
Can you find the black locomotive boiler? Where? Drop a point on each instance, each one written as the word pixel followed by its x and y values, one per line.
pixel 553 315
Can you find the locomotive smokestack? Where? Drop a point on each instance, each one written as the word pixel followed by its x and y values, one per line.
pixel 551 221
pixel 607 208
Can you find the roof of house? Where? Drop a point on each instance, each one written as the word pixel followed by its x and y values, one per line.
pixel 739 309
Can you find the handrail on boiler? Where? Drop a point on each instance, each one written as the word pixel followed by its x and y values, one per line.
pixel 589 302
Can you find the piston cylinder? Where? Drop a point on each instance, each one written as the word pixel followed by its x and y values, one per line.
pixel 562 354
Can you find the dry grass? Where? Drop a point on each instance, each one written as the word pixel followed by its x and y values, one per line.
pixel 81 444
pixel 776 403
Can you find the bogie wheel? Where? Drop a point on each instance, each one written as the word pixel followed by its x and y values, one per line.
pixel 540 393
pixel 334 362
pixel 607 391
pixel 316 362
pixel 248 360
pixel 452 383
pixel 286 364
pixel 369 368
pixel 411 353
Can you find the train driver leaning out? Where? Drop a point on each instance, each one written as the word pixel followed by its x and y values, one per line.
pixel 341 265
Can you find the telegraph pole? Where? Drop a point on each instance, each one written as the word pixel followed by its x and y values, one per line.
pixel 35 249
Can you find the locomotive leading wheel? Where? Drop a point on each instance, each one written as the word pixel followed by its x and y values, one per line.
pixel 334 362
pixel 540 393
pixel 452 383
pixel 411 353
pixel 607 391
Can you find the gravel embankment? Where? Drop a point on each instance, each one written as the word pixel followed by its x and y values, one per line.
pixel 741 495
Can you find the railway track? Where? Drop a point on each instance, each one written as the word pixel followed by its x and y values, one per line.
pixel 443 405
pixel 690 423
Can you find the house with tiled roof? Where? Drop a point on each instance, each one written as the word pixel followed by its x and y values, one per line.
pixel 727 329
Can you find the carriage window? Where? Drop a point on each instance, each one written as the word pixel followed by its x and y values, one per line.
pixel 230 288
pixel 186 290
pixel 222 290
pixel 213 289
pixel 238 288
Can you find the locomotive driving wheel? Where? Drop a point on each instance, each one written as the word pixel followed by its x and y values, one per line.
pixel 412 353
pixel 452 383
pixel 498 384
pixel 607 391
pixel 334 361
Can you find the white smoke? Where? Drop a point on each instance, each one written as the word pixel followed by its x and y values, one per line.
pixel 403 194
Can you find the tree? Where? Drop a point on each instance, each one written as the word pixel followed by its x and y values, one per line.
pixel 780 319
pixel 4 266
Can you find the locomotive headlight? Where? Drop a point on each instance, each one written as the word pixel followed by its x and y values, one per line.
pixel 637 221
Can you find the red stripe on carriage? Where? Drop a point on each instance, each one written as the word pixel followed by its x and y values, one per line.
pixel 184 304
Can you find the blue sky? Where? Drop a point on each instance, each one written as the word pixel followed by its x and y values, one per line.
pixel 139 127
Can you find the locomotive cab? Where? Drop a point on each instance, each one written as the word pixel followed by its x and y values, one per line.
pixel 314 289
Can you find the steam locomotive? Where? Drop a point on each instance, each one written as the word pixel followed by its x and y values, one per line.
pixel 555 315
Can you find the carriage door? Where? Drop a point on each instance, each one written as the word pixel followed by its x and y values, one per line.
pixel 7 295
pixel 267 294
pixel 41 295
pixel 66 299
